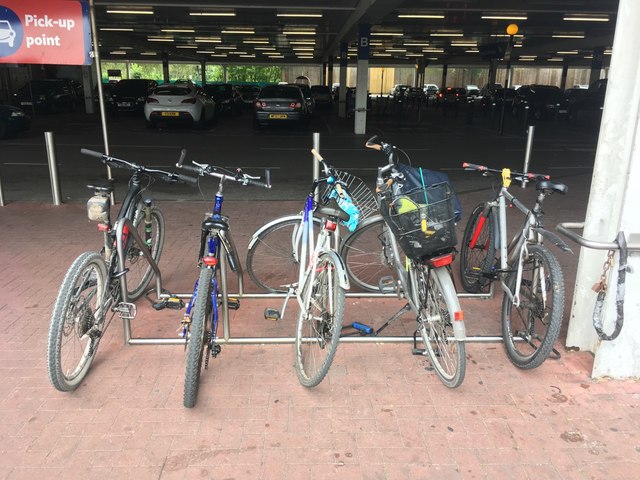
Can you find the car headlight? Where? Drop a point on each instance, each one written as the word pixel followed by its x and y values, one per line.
pixel 17 113
pixel 141 99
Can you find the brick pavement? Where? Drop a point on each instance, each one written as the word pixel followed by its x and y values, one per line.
pixel 378 414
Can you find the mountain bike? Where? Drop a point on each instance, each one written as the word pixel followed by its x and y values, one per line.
pixel 413 241
pixel 101 284
pixel 199 324
pixel 321 278
pixel 529 273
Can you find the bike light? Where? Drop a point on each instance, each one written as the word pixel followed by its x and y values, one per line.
pixel 458 316
pixel 103 227
pixel 210 261
pixel 329 225
pixel 441 261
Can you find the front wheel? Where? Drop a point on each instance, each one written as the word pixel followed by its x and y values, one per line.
pixel 319 322
pixel 477 251
pixel 438 309
pixel 531 328
pixel 199 335
pixel 77 321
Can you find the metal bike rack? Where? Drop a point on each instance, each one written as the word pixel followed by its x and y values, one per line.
pixel 633 242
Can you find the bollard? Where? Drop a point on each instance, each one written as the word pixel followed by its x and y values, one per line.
pixel 525 120
pixel 527 154
pixel 1 194
pixel 53 168
pixel 316 164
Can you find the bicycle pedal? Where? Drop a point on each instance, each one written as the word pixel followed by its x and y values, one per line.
pixel 233 303
pixel 362 328
pixel 174 303
pixel 271 314
pixel 126 311
pixel 388 285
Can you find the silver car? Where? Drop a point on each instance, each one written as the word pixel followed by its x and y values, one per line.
pixel 179 102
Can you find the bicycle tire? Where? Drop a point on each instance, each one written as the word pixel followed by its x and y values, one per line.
pixel 477 262
pixel 199 331
pixel 140 272
pixel 367 256
pixel 270 259
pixel 530 347
pixel 74 317
pixel 320 322
pixel 438 304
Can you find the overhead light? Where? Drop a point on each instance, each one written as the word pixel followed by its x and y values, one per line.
pixel 118 52
pixel 528 59
pixel 475 50
pixel 248 55
pixel 160 39
pixel 386 34
pixel 504 17
pixel 381 54
pixel 125 48
pixel 212 14
pixel 608 51
pixel 303 49
pixel 567 52
pixel 116 29
pixel 555 59
pixel 588 57
pixel 226 47
pixel 223 55
pixel 256 42
pixel 416 44
pixel 205 51
pixel 300 15
pixel 414 55
pixel 177 30
pixel 131 12
pixel 464 44
pixel 264 48
pixel 586 18
pixel 208 40
pixel 148 54
pixel 397 50
pixel 420 15
pixel 299 32
pixel 186 46
pixel 567 35
pixel 302 42
pixel 433 58
pixel 444 34
pixel 276 55
pixel 433 50
pixel 245 31
pixel 521 57
pixel 506 35
pixel 237 53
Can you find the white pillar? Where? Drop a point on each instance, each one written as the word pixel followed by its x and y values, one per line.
pixel 88 84
pixel 362 80
pixel 614 197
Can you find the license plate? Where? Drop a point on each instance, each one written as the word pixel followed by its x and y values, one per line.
pixel 124 104
pixel 25 103
pixel 281 116
pixel 170 114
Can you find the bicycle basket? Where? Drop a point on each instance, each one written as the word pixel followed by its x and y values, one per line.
pixel 422 219
pixel 359 194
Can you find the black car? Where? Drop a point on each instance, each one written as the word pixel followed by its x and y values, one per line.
pixel 226 96
pixel 544 101
pixel 588 104
pixel 280 104
pixel 495 97
pixel 322 96
pixel 13 120
pixel 248 93
pixel 308 96
pixel 129 95
pixel 51 95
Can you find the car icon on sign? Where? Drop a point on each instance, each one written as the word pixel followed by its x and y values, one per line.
pixel 7 34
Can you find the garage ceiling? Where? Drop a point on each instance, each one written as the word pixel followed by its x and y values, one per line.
pixel 310 31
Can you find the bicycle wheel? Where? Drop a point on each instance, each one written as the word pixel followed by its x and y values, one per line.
pixel 77 321
pixel 531 329
pixel 319 322
pixel 271 258
pixel 367 254
pixel 479 259
pixel 140 272
pixel 436 293
pixel 199 335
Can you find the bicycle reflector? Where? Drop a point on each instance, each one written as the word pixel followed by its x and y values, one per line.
pixel 210 261
pixel 441 261
pixel 329 225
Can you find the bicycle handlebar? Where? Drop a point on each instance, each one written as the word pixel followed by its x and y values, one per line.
pixel 518 176
pixel 169 177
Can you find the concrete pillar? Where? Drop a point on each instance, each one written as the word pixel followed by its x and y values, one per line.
pixel 330 72
pixel 88 84
pixel 563 78
pixel 596 64
pixel 615 193
pixel 342 92
pixel 324 73
pixel 444 76
pixel 362 79
pixel 492 72
pixel 203 69
pixel 165 67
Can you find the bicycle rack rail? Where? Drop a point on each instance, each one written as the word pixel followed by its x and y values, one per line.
pixel 633 241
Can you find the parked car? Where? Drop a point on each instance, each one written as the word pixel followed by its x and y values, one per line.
pixel 227 98
pixel 544 101
pixel 47 95
pixel 280 104
pixel 415 94
pixel 13 120
pixel 248 93
pixel 107 89
pixel 179 102
pixel 398 90
pixel 588 104
pixel 322 96
pixel 308 96
pixel 129 95
pixel 496 97
pixel 430 90
pixel 472 91
pixel 452 95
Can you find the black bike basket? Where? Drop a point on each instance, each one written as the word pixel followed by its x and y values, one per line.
pixel 421 219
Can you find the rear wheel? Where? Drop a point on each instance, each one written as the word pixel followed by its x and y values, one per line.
pixel 531 328
pixel 319 323
pixel 199 336
pixel 477 258
pixel 77 321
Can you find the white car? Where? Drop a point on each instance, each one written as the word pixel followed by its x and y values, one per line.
pixel 179 102
pixel 7 34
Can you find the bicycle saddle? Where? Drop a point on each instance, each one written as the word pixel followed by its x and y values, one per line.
pixel 332 209
pixel 547 185
pixel 219 224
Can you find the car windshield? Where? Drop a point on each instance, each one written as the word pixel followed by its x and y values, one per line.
pixel 131 87
pixel 172 90
pixel 280 91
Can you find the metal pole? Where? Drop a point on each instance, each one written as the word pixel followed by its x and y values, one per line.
pixel 316 164
pixel 527 154
pixel 1 194
pixel 53 168
pixel 103 116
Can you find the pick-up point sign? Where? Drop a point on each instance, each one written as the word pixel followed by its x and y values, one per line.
pixel 52 32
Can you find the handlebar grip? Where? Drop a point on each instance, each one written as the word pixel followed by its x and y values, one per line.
pixel 192 169
pixel 316 155
pixel 473 166
pixel 183 154
pixel 371 143
pixel 187 179
pixel 256 183
pixel 93 153
pixel 267 177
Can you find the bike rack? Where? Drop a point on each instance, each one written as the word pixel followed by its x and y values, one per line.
pixel 633 242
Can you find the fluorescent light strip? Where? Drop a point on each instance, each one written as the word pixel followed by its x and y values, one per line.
pixel 567 36
pixel 472 51
pixel 381 54
pixel 118 29
pixel 416 44
pixel 555 59
pixel 256 42
pixel 177 30
pixel 447 34
pixel 505 35
pixel 567 52
pixel 226 47
pixel 212 14
pixel 206 51
pixel 527 59
pixel 398 50
pixel 302 42
pixel 433 50
pixel 160 39
pixel 467 44
pixel 132 12
pixel 303 49
pixel 301 15
pixel 186 46
pixel 222 55
pixel 386 34
pixel 208 40
pixel 250 55
pixel 118 52
pixel 298 32
pixel 419 15
pixel 504 17
pixel 245 32
pixel 264 48
pixel 237 53
pixel 585 19
pixel 150 54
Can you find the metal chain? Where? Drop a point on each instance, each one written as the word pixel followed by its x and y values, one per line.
pixel 601 286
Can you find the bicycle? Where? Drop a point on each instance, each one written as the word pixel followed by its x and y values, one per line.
pixel 413 242
pixel 321 277
pixel 109 281
pixel 199 323
pixel 529 273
